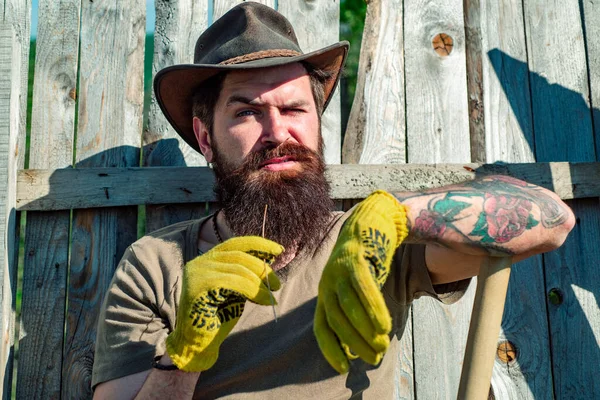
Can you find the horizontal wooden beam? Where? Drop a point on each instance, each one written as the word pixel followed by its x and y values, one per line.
pixel 63 189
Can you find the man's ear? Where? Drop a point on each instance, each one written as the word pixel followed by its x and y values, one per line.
pixel 203 138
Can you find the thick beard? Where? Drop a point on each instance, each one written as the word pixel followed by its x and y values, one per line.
pixel 298 203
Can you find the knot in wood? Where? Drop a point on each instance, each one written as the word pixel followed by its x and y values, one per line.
pixel 443 44
pixel 507 352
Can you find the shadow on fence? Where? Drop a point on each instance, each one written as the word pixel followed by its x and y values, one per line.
pixel 558 125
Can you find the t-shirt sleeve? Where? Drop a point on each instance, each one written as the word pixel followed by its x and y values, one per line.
pixel 409 278
pixel 131 330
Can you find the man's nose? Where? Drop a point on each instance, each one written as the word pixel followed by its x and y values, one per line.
pixel 275 129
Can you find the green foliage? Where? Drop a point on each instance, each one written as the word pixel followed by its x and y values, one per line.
pixel 352 21
pixel 31 71
pixel 148 58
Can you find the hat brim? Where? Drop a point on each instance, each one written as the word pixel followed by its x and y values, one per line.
pixel 175 86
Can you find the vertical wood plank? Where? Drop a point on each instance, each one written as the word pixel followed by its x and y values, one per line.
pixel 474 60
pixel 376 132
pixel 437 131
pixel 108 134
pixel 591 15
pixel 438 363
pixel 509 138
pixel 47 234
pixel 178 25
pixel 17 13
pixel 11 70
pixel 317 24
pixel 559 84
pixel 436 86
pixel 564 132
pixel 405 370
pixel 508 121
pixel 575 323
pixel 14 16
pixel 376 137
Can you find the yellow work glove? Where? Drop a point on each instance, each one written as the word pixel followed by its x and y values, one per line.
pixel 215 288
pixel 352 319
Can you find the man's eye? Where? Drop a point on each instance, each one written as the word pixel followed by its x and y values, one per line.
pixel 245 113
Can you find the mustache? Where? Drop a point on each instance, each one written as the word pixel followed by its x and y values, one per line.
pixel 300 153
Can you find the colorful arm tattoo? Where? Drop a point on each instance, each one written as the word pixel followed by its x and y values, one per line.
pixel 500 209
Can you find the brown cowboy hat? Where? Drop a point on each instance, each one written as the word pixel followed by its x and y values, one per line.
pixel 248 36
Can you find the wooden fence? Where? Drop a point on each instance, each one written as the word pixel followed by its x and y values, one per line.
pixel 439 82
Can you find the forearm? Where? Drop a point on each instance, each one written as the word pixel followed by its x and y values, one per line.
pixel 168 384
pixel 495 215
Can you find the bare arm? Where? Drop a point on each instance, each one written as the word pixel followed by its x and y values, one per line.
pixel 150 384
pixel 495 215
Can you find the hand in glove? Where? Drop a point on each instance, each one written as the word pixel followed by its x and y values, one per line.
pixel 215 288
pixel 352 319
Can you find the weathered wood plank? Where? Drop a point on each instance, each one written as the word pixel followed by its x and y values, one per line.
pixel 437 123
pixel 509 121
pixel 376 137
pixel 474 57
pixel 17 13
pixel 109 132
pixel 178 25
pixel 43 305
pixel 376 132
pixel 14 15
pixel 109 187
pixel 559 85
pixel 509 138
pixel 47 234
pixel 436 87
pixel 591 33
pixel 11 70
pixel 317 24
pixel 573 271
pixel 404 374
pixel 563 131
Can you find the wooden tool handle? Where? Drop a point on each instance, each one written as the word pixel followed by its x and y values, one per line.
pixel 486 318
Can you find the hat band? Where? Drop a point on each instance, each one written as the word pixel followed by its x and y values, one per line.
pixel 259 55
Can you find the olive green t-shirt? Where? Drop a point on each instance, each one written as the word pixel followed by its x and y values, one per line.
pixel 260 358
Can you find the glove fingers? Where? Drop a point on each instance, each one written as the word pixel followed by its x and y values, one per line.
pixel 358 317
pixel 252 263
pixel 371 298
pixel 346 332
pixel 255 245
pixel 242 281
pixel 328 342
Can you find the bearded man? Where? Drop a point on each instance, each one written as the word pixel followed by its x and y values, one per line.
pixel 190 311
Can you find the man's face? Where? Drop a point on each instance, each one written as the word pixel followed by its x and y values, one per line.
pixel 266 150
pixel 259 109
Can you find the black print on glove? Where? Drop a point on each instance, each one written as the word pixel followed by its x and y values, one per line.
pixel 376 251
pixel 223 303
pixel 266 257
